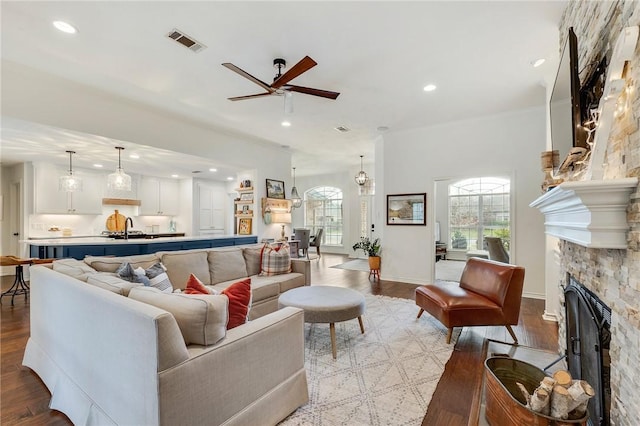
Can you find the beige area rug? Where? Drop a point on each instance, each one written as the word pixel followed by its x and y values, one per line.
pixel 354 265
pixel 385 376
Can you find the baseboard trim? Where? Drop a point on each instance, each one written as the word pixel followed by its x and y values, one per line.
pixel 548 316
pixel 533 295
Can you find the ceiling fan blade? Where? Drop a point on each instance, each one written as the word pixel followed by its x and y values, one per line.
pixel 304 65
pixel 248 76
pixel 314 92
pixel 258 95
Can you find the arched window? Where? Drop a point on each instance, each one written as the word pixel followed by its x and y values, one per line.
pixel 478 208
pixel 323 209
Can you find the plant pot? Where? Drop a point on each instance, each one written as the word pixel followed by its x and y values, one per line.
pixel 374 262
pixel 459 243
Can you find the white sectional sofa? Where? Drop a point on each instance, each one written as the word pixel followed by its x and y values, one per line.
pixel 108 359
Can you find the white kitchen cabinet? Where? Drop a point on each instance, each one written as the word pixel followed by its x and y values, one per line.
pixel 49 200
pixel 211 209
pixel 159 197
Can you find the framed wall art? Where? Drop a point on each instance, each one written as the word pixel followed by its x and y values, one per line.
pixel 244 226
pixel 407 209
pixel 275 189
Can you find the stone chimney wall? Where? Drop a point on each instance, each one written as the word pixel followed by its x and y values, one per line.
pixel 613 275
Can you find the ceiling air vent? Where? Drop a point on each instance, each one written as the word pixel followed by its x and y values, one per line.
pixel 185 40
pixel 342 129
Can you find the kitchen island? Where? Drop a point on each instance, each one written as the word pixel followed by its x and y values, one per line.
pixel 79 247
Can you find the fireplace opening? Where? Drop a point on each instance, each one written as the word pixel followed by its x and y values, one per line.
pixel 588 335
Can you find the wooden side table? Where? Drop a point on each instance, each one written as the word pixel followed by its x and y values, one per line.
pixel 19 286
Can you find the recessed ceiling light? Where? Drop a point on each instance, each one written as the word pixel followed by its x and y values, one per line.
pixel 174 176
pixel 285 124
pixel 65 27
pixel 134 156
pixel 97 165
pixel 213 170
pixel 429 88
pixel 230 178
pixel 538 62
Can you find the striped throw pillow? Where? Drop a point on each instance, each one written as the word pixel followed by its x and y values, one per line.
pixel 158 278
pixel 275 260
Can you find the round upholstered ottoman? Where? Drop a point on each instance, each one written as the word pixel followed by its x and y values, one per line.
pixel 326 304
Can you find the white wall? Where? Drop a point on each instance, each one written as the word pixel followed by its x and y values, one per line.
pixel 508 144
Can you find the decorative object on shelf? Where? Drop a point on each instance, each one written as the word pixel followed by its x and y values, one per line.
pixel 266 215
pixel 361 177
pixel 275 189
pixel 119 180
pixel 246 184
pixel 69 182
pixel 276 210
pixel 407 209
pixel 372 249
pixel 549 161
pixel 244 226
pixel 246 196
pixel 295 198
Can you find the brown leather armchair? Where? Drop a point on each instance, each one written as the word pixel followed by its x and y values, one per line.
pixel 489 294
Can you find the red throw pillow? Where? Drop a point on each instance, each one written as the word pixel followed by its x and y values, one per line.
pixel 195 286
pixel 239 295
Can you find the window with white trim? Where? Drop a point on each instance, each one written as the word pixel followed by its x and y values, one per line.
pixel 323 209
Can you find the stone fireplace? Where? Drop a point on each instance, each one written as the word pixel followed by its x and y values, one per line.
pixel 609 270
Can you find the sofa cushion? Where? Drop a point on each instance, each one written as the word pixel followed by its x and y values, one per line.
pixel 275 259
pixel 284 281
pixel 225 265
pixel 111 264
pixel 181 264
pixel 252 257
pixel 239 295
pixel 74 268
pixel 195 286
pixel 108 281
pixel 202 319
pixel 261 287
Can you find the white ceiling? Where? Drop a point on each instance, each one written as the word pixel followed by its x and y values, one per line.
pixel 378 55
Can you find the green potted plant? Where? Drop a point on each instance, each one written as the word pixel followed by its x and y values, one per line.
pixel 372 249
pixel 458 240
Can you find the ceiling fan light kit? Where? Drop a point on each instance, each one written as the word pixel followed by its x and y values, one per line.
pixel 69 182
pixel 280 84
pixel 119 180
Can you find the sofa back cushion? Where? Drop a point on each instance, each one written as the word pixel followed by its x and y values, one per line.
pixel 252 257
pixel 226 265
pixel 111 264
pixel 74 268
pixel 181 264
pixel 202 319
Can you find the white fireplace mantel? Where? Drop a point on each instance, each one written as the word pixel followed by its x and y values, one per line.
pixel 591 213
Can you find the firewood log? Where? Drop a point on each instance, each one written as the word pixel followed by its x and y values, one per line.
pixel 547 384
pixel 525 393
pixel 540 402
pixel 580 392
pixel 563 378
pixel 560 401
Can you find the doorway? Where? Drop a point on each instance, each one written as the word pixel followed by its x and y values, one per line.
pixel 467 210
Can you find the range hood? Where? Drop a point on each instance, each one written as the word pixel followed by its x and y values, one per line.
pixel 120 202
pixel 591 213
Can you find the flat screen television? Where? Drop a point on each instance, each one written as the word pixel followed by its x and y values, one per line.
pixel 565 116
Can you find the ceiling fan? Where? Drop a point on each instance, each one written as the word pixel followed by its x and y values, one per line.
pixel 279 85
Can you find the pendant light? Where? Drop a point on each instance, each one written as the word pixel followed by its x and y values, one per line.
pixel 70 183
pixel 119 180
pixel 295 198
pixel 361 177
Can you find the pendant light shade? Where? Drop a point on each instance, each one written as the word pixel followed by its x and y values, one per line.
pixel 295 198
pixel 361 177
pixel 69 182
pixel 119 180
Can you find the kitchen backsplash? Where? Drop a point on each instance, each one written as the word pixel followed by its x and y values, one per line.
pixel 84 225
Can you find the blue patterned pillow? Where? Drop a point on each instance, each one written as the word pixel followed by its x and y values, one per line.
pixel 158 278
pixel 127 273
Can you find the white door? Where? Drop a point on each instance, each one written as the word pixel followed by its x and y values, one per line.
pixel 15 219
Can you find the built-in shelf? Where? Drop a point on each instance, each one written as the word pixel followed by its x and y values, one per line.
pixel 591 213
pixel 120 202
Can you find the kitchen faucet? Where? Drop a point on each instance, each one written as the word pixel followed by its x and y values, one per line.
pixel 126 227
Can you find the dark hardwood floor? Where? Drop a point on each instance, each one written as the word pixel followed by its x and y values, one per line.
pixel 24 399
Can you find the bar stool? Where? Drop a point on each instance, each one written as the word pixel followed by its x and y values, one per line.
pixel 19 285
